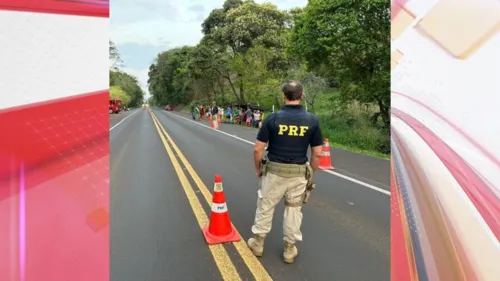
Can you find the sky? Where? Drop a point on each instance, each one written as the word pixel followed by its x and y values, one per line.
pixel 143 28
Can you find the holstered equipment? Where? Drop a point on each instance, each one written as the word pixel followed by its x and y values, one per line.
pixel 290 171
pixel 310 186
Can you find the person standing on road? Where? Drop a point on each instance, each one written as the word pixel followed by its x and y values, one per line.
pixel 285 170
pixel 221 113
pixel 197 113
pixel 248 115
pixel 241 115
pixel 208 112
pixel 192 112
pixel 256 117
pixel 215 111
pixel 228 114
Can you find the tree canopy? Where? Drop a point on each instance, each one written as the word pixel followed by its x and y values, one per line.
pixel 339 50
pixel 348 40
pixel 123 85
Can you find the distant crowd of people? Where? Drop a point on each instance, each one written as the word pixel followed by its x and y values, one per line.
pixel 242 115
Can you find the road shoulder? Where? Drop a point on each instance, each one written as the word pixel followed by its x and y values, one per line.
pixel 372 170
pixel 154 234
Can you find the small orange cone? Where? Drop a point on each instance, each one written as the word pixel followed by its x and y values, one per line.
pixel 210 118
pixel 220 229
pixel 218 121
pixel 325 162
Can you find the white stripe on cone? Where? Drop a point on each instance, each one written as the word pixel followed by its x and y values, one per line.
pixel 218 187
pixel 219 208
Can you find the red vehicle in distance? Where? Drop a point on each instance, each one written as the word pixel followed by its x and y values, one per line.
pixel 169 108
pixel 114 105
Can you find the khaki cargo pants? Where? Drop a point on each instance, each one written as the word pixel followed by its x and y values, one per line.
pixel 272 190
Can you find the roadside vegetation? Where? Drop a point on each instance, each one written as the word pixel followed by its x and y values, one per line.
pixel 338 49
pixel 121 84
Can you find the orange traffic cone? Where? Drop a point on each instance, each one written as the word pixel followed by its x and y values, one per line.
pixel 325 162
pixel 210 118
pixel 218 121
pixel 220 229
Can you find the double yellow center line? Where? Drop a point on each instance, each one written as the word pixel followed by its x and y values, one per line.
pixel 219 253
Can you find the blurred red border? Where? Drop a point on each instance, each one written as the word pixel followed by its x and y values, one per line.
pixel 472 184
pixel 31 141
pixel 400 256
pixel 397 6
pixel 54 176
pixel 91 8
pixel 54 190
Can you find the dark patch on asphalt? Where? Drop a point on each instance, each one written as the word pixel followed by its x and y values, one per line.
pixel 115 118
pixel 339 237
pixel 372 170
pixel 154 234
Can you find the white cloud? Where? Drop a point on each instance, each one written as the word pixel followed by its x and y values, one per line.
pixel 159 32
pixel 132 11
pixel 165 24
pixel 157 23
pixel 142 77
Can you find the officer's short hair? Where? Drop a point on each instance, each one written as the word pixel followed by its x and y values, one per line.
pixel 292 90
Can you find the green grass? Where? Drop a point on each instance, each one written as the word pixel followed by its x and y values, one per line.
pixel 346 127
pixel 361 151
pixel 350 127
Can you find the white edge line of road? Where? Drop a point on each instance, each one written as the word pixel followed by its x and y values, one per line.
pixel 381 190
pixel 123 119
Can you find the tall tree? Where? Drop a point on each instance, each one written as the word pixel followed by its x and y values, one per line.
pixel 117 92
pixel 169 78
pixel 129 85
pixel 114 57
pixel 237 27
pixel 123 85
pixel 349 40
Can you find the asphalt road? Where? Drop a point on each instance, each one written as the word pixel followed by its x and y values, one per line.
pixel 160 196
pixel 114 119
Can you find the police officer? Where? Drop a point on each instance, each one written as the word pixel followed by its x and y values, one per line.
pixel 285 172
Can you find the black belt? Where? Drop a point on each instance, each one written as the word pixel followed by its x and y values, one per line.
pixel 273 159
